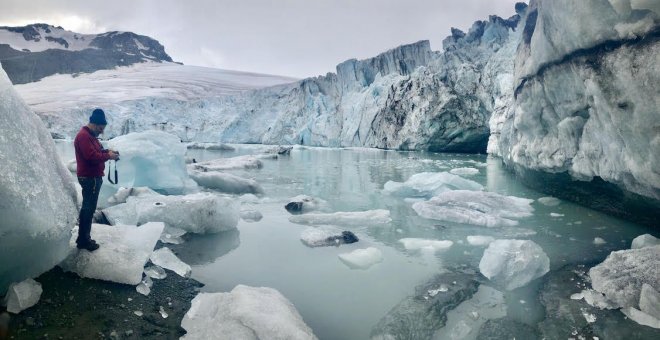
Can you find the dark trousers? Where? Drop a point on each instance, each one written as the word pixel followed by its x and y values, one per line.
pixel 90 191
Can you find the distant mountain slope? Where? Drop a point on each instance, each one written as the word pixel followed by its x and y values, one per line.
pixel 32 52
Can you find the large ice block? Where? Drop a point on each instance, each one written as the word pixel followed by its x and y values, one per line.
pixel 123 252
pixel 428 184
pixel 247 313
pixel 514 263
pixel 23 295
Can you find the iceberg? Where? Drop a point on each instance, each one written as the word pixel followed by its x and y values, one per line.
pixel 210 146
pixel 196 213
pixel 226 182
pixel 23 295
pixel 244 313
pixel 153 159
pixel 353 218
pixel 482 208
pixel 362 258
pixel 646 240
pixel 223 164
pixel 425 245
pixel 513 263
pixel 428 184
pixel 324 236
pixel 124 251
pixel 39 198
pixel 623 273
pixel 165 258
pixel 303 204
pixel 479 240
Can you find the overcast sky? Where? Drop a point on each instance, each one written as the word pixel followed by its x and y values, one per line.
pixel 298 38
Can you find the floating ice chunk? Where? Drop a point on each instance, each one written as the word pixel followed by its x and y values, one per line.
pixel 362 258
pixel 37 193
pixel 123 253
pixel 646 240
pixel 172 235
pixel 165 258
pixel 464 171
pixel 251 215
pixel 556 215
pixel 549 201
pixel 303 204
pixel 475 207
pixel 621 276
pixel 326 236
pixel 123 194
pixel 354 218
pixel 427 184
pixel 153 159
pixel 480 240
pixel 226 182
pixel 197 213
pixel 425 245
pixel 155 272
pixel 244 313
pixel 640 317
pixel 222 164
pixel 210 146
pixel 23 295
pixel 590 318
pixel 649 301
pixel 514 263
pixel 599 241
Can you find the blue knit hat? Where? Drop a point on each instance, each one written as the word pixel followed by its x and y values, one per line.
pixel 98 117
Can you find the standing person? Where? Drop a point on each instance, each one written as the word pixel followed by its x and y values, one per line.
pixel 90 161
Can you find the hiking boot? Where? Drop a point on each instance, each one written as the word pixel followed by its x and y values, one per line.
pixel 89 246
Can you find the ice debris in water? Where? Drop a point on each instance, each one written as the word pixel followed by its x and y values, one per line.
pixel 646 240
pixel 556 215
pixel 353 218
pixel 428 184
pixel 475 207
pixel 464 171
pixel 599 241
pixel 155 272
pixel 251 215
pixel 362 258
pixel 621 276
pixel 165 258
pixel 549 201
pixel 226 182
pixel 303 204
pixel 222 164
pixel 326 236
pixel 162 312
pixel 433 292
pixel 153 159
pixel 480 240
pixel 172 235
pixel 124 251
pixel 244 313
pixel 197 213
pixel 23 295
pixel 514 263
pixel 425 245
pixel 37 193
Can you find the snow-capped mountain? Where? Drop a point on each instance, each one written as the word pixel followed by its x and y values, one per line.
pixel 32 52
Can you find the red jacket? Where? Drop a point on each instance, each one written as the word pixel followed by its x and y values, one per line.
pixel 90 155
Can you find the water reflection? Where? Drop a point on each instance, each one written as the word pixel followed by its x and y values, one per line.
pixel 204 249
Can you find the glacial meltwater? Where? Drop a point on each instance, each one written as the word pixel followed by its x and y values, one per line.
pixel 339 301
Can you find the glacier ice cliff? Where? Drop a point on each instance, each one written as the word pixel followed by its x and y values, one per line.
pixel 587 85
pixel 38 200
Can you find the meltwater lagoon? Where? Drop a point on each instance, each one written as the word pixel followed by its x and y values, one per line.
pixel 424 278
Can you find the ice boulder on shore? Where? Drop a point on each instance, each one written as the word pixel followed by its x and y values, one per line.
pixel 38 195
pixel 244 313
pixel 225 182
pixel 201 213
pixel 514 263
pixel 482 208
pixel 153 159
pixel 428 184
pixel 23 295
pixel 123 252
